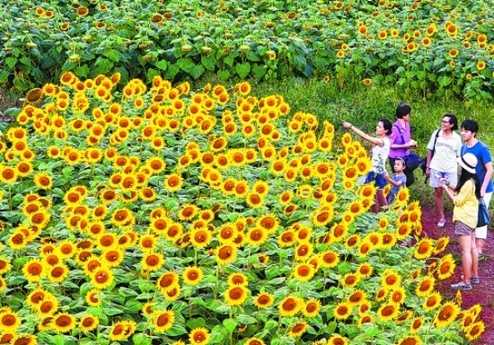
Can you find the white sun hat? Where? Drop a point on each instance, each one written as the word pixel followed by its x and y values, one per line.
pixel 468 162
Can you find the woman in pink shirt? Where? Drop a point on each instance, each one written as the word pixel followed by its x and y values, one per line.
pixel 401 140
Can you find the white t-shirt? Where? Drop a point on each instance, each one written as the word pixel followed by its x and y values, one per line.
pixel 380 155
pixel 446 152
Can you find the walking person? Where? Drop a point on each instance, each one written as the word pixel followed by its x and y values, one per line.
pixel 465 215
pixel 380 151
pixel 401 141
pixel 469 130
pixel 442 151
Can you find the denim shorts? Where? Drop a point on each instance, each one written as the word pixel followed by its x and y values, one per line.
pixel 435 178
pixel 462 229
pixel 379 179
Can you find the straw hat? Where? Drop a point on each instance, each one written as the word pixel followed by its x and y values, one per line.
pixel 468 162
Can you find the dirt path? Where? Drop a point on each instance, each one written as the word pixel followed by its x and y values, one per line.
pixel 483 293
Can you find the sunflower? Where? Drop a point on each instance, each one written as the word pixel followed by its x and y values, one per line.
pixel 342 311
pixel 173 182
pixel 167 280
pixel 297 329
pixel 390 278
pixel 445 267
pixel 236 295
pixel 432 301
pixel 387 311
pixel 441 244
pixel 304 272
pixel 337 339
pixel 357 297
pixel 311 308
pixel 416 324
pixel 88 323
pixel 226 254
pixel 122 330
pixel 397 295
pixel 263 300
pixel 475 330
pixel 425 286
pixel 63 322
pixel 350 280
pixel 163 320
pixel 256 236
pixel 290 306
pixel 237 279
pixel 254 341
pixel 33 270
pixel 423 249
pixel 9 321
pixel 329 259
pixel 57 273
pixel 102 278
pixel 192 275
pixel 481 65
pixel 152 261
pixel 93 297
pixel 199 336
pixel 200 237
pixel 410 340
pixel 446 314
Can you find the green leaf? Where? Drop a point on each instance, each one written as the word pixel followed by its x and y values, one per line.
pixel 218 335
pixel 111 311
pixel 224 74
pixel 259 71
pixel 172 71
pixel 141 339
pixel 186 64
pixel 82 71
pixel 251 56
pixel 196 323
pixel 112 54
pixel 230 325
pixel 176 330
pixel 197 71
pixel 102 66
pixel 209 62
pixel 162 65
pixel 242 69
pixel 246 319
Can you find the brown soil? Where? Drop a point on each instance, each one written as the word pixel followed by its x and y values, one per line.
pixel 482 294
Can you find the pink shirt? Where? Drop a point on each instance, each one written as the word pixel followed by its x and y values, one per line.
pixel 400 135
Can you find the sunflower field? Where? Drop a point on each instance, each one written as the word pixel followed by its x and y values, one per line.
pixel 439 46
pixel 164 215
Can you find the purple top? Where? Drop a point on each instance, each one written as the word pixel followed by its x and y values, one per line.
pixel 400 135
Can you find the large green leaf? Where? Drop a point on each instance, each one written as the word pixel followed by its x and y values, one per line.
pixel 242 69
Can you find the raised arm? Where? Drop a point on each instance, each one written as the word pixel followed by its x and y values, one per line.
pixel 363 135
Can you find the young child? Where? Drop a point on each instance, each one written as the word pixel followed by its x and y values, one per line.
pixel 465 216
pixel 380 150
pixel 398 180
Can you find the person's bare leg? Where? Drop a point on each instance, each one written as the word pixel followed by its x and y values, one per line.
pixel 438 199
pixel 475 257
pixel 479 243
pixel 466 257
pixel 380 199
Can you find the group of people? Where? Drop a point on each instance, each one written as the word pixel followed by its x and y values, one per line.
pixel 458 165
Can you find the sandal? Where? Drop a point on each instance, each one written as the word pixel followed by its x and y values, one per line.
pixel 461 286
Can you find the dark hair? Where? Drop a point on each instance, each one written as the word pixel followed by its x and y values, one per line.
pixel 452 120
pixel 399 159
pixel 387 125
pixel 403 109
pixel 464 177
pixel 470 125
